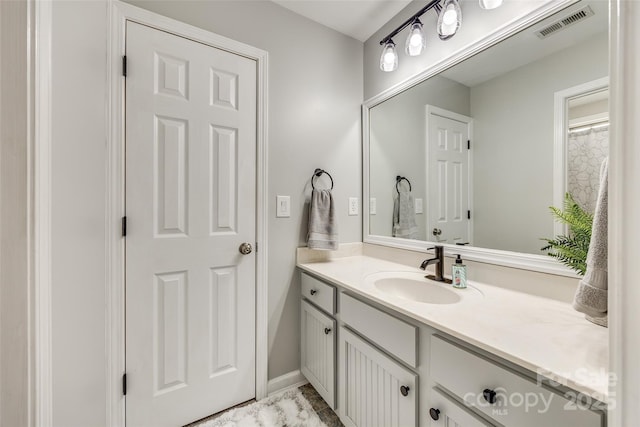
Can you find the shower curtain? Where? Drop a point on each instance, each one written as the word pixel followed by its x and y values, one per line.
pixel 585 152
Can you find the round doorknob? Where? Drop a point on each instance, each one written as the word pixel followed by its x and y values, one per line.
pixel 404 390
pixel 434 413
pixel 245 248
pixel 436 232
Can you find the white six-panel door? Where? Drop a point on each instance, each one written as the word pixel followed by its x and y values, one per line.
pixel 190 204
pixel 448 177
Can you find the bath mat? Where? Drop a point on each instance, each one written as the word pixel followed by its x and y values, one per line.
pixel 286 409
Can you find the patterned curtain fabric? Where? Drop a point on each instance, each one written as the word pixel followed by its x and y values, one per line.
pixel 585 154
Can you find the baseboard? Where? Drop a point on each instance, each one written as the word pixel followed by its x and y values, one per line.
pixel 293 379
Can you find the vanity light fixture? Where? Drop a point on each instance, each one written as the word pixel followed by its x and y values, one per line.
pixel 449 21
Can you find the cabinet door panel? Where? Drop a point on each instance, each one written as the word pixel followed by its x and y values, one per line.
pixel 318 351
pixel 370 386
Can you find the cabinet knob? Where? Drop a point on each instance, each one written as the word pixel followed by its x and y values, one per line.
pixel 434 413
pixel 313 291
pixel 404 390
pixel 327 330
pixel 489 395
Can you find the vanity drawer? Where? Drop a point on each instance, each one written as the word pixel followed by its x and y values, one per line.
pixel 444 412
pixel 518 400
pixel 319 293
pixel 394 335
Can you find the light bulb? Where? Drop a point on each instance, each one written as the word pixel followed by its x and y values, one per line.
pixel 450 16
pixel 449 19
pixel 490 4
pixel 389 57
pixel 416 40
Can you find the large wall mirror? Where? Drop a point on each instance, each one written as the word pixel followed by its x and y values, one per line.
pixel 474 156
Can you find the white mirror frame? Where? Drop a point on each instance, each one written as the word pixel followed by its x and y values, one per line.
pixel 540 263
pixel 561 140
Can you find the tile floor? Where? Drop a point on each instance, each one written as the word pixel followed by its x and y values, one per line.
pixel 323 410
pixel 318 404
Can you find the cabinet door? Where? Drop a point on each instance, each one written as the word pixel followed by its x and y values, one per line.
pixel 446 413
pixel 318 355
pixel 375 390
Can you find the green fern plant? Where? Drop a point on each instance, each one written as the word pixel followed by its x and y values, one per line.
pixel 571 250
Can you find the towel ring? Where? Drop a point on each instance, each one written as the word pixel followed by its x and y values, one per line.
pixel 400 179
pixel 318 172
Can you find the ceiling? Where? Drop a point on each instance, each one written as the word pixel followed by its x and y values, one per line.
pixel 355 18
pixel 525 47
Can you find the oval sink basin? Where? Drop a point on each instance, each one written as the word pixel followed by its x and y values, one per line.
pixel 415 287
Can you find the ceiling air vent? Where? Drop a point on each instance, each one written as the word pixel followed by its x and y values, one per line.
pixel 563 23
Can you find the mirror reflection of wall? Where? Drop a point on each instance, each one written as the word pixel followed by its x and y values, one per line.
pixel 508 93
pixel 587 146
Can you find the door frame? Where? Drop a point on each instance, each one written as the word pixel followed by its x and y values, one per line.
pixel 432 109
pixel 119 14
pixel 561 139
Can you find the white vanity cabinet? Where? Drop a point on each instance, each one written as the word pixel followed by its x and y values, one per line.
pixel 375 390
pixel 391 370
pixel 318 337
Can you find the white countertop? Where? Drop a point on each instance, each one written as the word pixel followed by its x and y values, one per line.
pixel 540 334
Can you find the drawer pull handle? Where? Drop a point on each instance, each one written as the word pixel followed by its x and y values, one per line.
pixel 313 291
pixel 327 330
pixel 489 395
pixel 404 390
pixel 434 413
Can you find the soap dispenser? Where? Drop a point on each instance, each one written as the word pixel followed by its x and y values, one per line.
pixel 459 274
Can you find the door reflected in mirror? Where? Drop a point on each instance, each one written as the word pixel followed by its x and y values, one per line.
pixel 479 142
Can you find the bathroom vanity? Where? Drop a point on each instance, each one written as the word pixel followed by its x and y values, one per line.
pixel 396 355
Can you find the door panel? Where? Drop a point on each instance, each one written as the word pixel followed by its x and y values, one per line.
pixel 190 203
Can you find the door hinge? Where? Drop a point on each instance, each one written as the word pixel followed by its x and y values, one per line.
pixel 468 214
pixel 124 66
pixel 124 226
pixel 468 144
pixel 124 384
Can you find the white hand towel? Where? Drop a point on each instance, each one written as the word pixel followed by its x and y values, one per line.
pixel 404 216
pixel 323 227
pixel 591 295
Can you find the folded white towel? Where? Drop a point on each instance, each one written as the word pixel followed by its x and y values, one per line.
pixel 591 295
pixel 404 216
pixel 323 227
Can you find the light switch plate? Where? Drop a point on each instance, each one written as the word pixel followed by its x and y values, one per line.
pixel 418 206
pixel 373 208
pixel 283 206
pixel 353 206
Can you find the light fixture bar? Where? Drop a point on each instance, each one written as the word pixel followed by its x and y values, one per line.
pixel 405 24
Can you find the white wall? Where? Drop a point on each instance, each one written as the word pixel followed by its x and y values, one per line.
pixel 315 92
pixel 513 147
pixel 398 142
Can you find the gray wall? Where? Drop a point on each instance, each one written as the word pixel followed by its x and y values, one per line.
pixel 397 145
pixel 15 225
pixel 315 92
pixel 513 161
